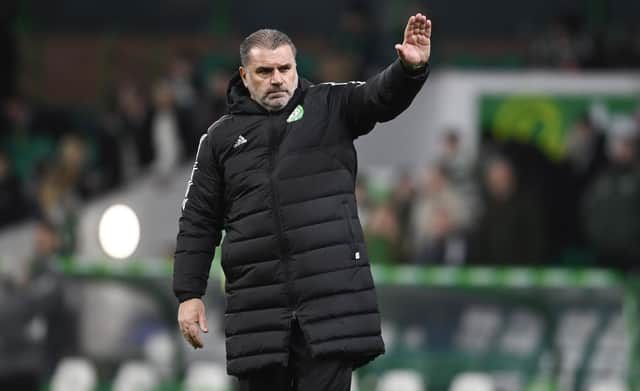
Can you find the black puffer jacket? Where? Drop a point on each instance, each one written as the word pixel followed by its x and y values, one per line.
pixel 281 185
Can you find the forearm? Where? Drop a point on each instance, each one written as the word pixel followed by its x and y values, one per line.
pixel 385 95
pixel 200 226
pixel 192 263
pixel 397 86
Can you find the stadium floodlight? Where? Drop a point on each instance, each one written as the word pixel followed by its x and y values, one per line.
pixel 119 231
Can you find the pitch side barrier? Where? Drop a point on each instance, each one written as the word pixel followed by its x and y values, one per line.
pixel 528 328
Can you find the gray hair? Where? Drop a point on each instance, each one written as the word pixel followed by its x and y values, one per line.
pixel 264 38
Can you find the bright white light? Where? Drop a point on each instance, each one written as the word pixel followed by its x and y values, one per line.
pixel 119 231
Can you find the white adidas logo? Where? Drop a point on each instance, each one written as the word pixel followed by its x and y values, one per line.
pixel 241 140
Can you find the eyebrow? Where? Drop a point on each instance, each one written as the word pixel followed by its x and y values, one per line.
pixel 269 69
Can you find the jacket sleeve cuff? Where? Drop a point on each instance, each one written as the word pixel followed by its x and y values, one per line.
pixel 187 296
pixel 419 73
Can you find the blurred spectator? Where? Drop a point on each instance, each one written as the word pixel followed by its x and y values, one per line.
pixel 455 164
pixel 550 185
pixel 382 233
pixel 213 103
pixel 448 244
pixel 171 132
pixel 585 151
pixel 403 198
pixel 74 170
pixel 612 204
pixel 62 186
pixel 46 288
pixel 586 157
pixel 441 216
pixel 26 147
pixel 106 169
pixel 510 230
pixel 126 132
pixel 183 83
pixel 458 167
pixel 14 205
pixel 38 327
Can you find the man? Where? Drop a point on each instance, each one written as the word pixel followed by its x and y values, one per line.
pixel 278 175
pixel 611 203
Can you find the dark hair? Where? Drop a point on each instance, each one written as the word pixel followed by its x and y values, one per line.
pixel 264 38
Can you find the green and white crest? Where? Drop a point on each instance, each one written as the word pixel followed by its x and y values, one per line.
pixel 296 114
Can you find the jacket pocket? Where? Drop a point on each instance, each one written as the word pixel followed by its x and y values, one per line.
pixel 355 252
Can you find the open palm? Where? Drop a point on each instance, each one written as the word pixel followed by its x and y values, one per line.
pixel 416 47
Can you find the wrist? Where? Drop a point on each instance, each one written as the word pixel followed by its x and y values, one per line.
pixel 413 67
pixel 414 70
pixel 188 296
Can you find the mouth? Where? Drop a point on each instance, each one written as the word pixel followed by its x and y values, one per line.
pixel 276 92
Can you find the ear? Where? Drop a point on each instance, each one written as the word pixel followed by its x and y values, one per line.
pixel 243 75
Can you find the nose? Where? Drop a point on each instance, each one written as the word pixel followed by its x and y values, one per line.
pixel 276 78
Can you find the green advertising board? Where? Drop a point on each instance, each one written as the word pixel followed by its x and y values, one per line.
pixel 544 120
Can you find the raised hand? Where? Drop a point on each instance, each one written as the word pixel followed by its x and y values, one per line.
pixel 416 47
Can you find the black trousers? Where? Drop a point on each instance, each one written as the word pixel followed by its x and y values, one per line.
pixel 304 372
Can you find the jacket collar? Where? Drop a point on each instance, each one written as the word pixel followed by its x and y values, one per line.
pixel 239 100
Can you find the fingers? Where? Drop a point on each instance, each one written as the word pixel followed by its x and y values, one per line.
pixel 424 38
pixel 187 336
pixel 196 339
pixel 418 30
pixel 202 321
pixel 192 335
pixel 408 30
pixel 421 26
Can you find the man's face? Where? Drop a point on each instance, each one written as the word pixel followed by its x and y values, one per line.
pixel 500 180
pixel 271 76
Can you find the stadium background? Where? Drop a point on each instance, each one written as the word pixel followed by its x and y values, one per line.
pixel 502 211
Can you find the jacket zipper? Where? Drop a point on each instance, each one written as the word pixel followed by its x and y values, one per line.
pixel 273 149
pixel 352 239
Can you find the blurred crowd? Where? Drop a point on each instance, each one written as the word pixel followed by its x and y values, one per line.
pixel 573 42
pixel 53 159
pixel 509 205
pixel 512 205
